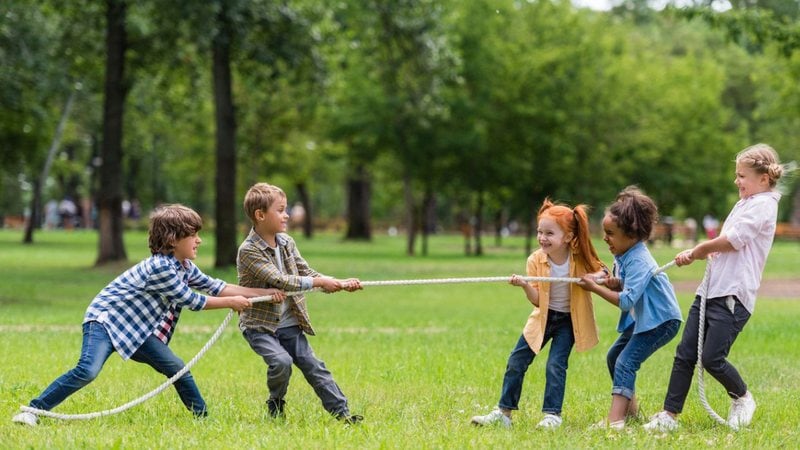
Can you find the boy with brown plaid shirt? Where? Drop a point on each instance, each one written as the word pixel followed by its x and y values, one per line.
pixel 268 257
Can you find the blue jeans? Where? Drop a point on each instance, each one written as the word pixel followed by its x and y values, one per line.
pixel 559 329
pixel 289 346
pixel 627 354
pixel 95 350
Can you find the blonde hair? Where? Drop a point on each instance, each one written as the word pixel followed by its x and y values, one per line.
pixel 763 159
pixel 575 221
pixel 169 224
pixel 260 197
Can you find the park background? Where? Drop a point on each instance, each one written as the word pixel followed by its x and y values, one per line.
pixel 419 138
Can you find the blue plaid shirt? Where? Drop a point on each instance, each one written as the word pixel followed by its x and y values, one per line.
pixel 136 303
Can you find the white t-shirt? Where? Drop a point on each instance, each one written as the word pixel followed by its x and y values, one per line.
pixel 287 317
pixel 559 291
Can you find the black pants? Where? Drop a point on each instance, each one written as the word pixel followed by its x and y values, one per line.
pixel 722 326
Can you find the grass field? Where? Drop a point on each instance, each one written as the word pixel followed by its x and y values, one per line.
pixel 416 361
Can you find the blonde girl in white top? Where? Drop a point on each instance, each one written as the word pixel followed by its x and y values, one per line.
pixel 738 256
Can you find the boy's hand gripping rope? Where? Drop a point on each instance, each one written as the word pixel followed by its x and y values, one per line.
pixel 221 328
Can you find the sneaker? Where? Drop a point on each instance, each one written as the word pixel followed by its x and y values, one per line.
pixel 550 421
pixel 618 425
pixel 276 406
pixel 493 417
pixel 661 422
pixel 349 419
pixel 26 418
pixel 741 413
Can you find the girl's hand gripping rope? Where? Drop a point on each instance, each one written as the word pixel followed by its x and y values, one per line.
pixel 517 280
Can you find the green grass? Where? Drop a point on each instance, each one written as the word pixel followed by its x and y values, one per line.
pixel 416 361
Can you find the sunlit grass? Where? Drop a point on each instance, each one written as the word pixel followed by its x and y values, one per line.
pixel 417 361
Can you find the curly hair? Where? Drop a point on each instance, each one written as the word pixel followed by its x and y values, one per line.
pixel 634 213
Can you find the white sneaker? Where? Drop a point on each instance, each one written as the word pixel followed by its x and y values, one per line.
pixel 661 422
pixel 618 425
pixel 741 413
pixel 493 417
pixel 550 421
pixel 26 418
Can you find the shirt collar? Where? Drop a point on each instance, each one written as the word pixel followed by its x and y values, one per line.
pixel 256 238
pixel 775 195
pixel 174 261
pixel 541 257
pixel 635 248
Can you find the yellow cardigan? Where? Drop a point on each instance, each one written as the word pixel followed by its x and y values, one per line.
pixel 581 310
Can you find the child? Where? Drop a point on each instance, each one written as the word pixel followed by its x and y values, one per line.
pixel 563 312
pixel 729 285
pixel 650 315
pixel 277 331
pixel 136 314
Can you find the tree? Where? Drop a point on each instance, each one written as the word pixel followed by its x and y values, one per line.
pixel 109 196
pixel 225 120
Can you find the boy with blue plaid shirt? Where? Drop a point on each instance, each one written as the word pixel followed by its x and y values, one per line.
pixel 276 331
pixel 136 314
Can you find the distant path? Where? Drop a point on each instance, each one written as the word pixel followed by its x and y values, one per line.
pixel 788 289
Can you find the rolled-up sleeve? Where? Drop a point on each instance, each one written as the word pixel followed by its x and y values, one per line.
pixel 747 226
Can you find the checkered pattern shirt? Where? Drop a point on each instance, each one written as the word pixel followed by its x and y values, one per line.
pixel 138 302
pixel 258 268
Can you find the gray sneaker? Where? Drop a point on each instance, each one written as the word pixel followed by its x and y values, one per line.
pixel 26 418
pixel 492 418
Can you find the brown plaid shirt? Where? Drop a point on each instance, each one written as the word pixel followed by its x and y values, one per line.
pixel 258 268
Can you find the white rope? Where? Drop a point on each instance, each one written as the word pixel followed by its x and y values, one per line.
pixel 154 392
pixel 221 328
pixel 701 387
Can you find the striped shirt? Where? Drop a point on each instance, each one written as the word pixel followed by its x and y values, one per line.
pixel 259 267
pixel 138 302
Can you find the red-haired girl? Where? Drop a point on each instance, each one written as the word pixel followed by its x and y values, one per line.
pixel 562 313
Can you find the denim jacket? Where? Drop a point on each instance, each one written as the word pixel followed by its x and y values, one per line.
pixel 645 299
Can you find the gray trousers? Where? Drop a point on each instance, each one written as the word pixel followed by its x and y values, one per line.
pixel 290 346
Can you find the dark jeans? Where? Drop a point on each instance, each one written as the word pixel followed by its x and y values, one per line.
pixel 630 350
pixel 721 329
pixel 290 345
pixel 95 350
pixel 559 329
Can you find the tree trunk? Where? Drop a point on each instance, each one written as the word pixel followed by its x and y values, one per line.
pixel 34 221
pixel 225 211
pixel 109 196
pixel 479 225
pixel 359 194
pixel 411 216
pixel 499 222
pixel 529 229
pixel 305 200
pixel 429 218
